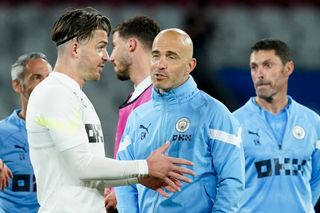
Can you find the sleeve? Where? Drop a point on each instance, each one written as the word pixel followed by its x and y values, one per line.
pixel 127 196
pixel 315 175
pixel 89 167
pixel 228 161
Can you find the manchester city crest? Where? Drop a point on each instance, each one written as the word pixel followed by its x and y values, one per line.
pixel 182 124
pixel 298 132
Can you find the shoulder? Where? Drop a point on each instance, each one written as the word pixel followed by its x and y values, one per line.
pixel 304 112
pixel 50 92
pixel 215 111
pixel 211 104
pixel 7 127
pixel 205 100
pixel 51 87
pixel 245 112
pixel 143 109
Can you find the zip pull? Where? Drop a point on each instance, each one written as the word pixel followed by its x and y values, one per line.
pixel 280 146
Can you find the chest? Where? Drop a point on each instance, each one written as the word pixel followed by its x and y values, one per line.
pixel 184 129
pixel 260 142
pixel 15 152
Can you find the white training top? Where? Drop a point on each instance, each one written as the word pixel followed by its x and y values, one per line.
pixel 67 151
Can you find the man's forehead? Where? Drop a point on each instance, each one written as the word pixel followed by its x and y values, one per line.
pixel 100 34
pixel 165 50
pixel 263 55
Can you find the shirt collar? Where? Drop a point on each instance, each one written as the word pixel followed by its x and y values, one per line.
pixel 142 86
pixel 65 79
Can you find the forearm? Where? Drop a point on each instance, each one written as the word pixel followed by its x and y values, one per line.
pixel 100 185
pixel 89 167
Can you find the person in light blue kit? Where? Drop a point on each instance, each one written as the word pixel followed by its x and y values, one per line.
pixel 199 127
pixel 20 194
pixel 281 138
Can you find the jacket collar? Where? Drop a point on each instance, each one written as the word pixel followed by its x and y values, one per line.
pixel 255 107
pixel 177 95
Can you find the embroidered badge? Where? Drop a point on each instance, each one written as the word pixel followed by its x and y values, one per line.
pixel 298 132
pixel 182 124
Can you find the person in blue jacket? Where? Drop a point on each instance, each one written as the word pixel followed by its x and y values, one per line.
pixel 281 138
pixel 199 128
pixel 19 195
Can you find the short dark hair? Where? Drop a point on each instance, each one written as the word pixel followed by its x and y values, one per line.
pixel 281 48
pixel 142 27
pixel 80 24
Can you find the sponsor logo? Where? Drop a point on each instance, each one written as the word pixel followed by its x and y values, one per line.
pixel 181 138
pixel 94 132
pixel 276 166
pixel 21 183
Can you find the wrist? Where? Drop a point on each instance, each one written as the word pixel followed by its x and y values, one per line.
pixel 143 168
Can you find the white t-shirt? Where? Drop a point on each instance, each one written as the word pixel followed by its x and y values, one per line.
pixel 60 117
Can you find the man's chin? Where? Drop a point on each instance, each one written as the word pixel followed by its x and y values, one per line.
pixel 122 77
pixel 267 98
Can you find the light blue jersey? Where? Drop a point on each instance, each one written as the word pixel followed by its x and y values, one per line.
pixel 281 175
pixel 201 130
pixel 20 195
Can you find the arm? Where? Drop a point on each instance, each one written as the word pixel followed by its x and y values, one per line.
pixel 89 167
pixel 315 176
pixel 5 175
pixel 229 166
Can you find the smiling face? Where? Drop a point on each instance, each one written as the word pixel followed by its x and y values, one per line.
pixel 93 55
pixel 171 59
pixel 269 75
pixel 120 57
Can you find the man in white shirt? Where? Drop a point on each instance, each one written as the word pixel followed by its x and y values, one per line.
pixel 64 131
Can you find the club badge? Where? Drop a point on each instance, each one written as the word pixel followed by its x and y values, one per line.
pixel 182 124
pixel 298 132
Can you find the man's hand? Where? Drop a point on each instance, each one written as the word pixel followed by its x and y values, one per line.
pixel 158 185
pixel 163 167
pixel 110 200
pixel 5 175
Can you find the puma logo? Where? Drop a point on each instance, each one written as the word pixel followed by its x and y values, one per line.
pixel 20 147
pixel 256 140
pixel 145 128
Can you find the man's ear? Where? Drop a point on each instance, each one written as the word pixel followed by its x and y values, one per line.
pixel 75 49
pixel 16 85
pixel 191 65
pixel 132 44
pixel 289 67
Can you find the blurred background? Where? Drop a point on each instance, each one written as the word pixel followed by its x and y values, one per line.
pixel 222 30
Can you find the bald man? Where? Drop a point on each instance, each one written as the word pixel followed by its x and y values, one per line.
pixel 199 127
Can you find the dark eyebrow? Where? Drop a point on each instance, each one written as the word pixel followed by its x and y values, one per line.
pixel 155 52
pixel 103 42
